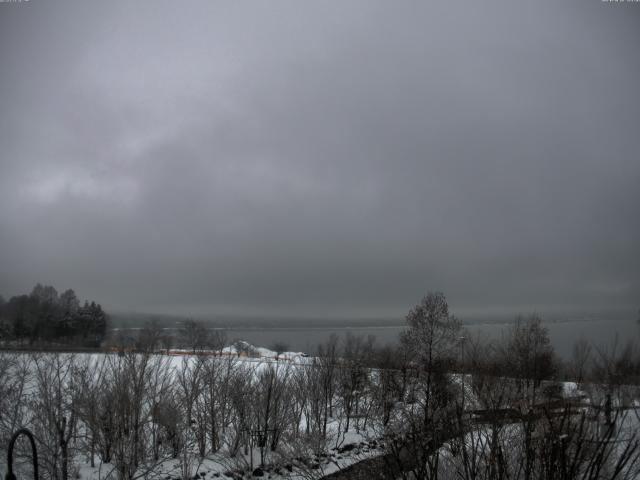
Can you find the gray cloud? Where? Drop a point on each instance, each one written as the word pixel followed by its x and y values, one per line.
pixel 322 159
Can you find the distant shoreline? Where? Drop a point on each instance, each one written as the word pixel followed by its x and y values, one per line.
pixel 289 325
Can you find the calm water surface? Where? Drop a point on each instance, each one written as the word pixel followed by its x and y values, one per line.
pixel 563 334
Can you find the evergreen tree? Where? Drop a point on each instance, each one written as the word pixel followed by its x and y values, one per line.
pixel 43 315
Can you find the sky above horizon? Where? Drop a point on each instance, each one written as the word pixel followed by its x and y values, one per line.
pixel 319 159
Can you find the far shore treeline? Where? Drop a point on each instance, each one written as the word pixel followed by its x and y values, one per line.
pixel 44 316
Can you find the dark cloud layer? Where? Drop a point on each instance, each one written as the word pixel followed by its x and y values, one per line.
pixel 322 159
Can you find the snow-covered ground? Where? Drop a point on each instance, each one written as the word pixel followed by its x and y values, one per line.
pixel 341 448
pixel 356 447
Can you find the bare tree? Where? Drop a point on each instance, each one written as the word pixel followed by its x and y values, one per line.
pixel 580 362
pixel 272 406
pixel 214 405
pixel 431 337
pixel 414 436
pixel 15 378
pixel 217 340
pixel 529 350
pixel 242 389
pixel 54 407
pixel 194 335
pixel 192 435
pixel 354 376
pixel 553 438
pixel 137 383
pixel 95 436
pixel 328 360
pixel 150 336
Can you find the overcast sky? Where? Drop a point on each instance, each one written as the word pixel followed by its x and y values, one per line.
pixel 322 158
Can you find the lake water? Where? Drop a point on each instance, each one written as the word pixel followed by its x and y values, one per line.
pixel 563 334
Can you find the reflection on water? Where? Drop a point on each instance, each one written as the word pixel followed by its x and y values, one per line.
pixel 563 334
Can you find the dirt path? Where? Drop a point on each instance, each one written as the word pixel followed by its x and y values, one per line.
pixel 375 468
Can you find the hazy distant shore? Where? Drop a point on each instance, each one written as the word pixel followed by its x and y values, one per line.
pixel 563 332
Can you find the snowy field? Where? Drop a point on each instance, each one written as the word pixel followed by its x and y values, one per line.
pixel 338 448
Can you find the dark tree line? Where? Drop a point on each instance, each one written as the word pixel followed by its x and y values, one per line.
pixel 46 316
